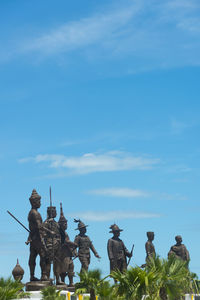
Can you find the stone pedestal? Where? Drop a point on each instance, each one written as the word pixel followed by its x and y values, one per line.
pixel 65 287
pixel 37 285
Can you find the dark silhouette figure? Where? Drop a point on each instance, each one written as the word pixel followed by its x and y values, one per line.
pixel 52 239
pixel 149 246
pixel 37 245
pixel 84 246
pixel 117 251
pixel 67 251
pixel 179 250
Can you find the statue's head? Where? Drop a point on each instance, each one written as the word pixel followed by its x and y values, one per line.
pixel 51 212
pixel 62 220
pixel 35 199
pixel 81 226
pixel 115 230
pixel 178 239
pixel 150 235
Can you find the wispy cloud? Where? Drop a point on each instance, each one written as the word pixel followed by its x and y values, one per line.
pixel 112 215
pixel 177 127
pixel 119 192
pixel 94 162
pixel 154 34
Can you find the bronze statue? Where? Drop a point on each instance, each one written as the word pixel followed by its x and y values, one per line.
pixel 84 245
pixel 53 242
pixel 149 246
pixel 37 245
pixel 179 250
pixel 66 252
pixel 117 251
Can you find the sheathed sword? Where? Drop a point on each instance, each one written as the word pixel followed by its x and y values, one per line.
pixel 131 255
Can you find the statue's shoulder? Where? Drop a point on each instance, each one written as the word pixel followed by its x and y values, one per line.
pixel 33 213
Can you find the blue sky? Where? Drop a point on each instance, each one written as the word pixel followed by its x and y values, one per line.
pixel 100 100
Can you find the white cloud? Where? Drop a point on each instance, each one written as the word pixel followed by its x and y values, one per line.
pixel 112 215
pixel 92 162
pixel 119 192
pixel 84 32
pixel 155 34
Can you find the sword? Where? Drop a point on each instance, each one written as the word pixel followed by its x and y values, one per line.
pixel 18 221
pixel 131 255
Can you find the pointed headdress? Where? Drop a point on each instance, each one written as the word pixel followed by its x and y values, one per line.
pixel 62 218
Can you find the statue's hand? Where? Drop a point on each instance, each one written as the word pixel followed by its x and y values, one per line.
pixel 97 255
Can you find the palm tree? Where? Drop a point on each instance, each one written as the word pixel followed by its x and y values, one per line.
pixel 50 293
pixel 133 283
pixel 160 280
pixel 89 281
pixel 10 289
pixel 172 277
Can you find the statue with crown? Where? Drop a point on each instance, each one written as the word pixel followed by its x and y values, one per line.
pixel 49 240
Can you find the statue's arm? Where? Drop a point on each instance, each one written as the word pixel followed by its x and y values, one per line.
pixel 110 250
pixel 94 250
pixel 126 252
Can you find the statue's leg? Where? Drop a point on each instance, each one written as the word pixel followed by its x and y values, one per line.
pixel 84 263
pixel 43 265
pixel 62 276
pixel 71 273
pixel 32 263
pixel 48 268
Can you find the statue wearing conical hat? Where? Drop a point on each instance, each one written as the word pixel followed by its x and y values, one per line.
pixel 117 251
pixel 84 246
pixel 67 251
pixel 36 241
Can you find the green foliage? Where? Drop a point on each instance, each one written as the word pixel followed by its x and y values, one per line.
pixel 91 282
pixel 161 279
pixel 10 289
pixel 50 293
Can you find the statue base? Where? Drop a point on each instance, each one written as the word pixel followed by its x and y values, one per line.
pixel 65 287
pixel 37 285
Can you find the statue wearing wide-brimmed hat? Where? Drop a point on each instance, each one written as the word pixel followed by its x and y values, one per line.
pixel 117 252
pixel 84 245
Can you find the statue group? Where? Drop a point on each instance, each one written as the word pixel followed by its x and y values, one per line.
pixel 51 242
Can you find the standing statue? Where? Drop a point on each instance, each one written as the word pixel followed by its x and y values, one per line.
pixel 179 250
pixel 37 245
pixel 84 245
pixel 53 242
pixel 117 251
pixel 149 246
pixel 66 252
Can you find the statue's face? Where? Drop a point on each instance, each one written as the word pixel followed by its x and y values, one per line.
pixel 150 236
pixel 178 239
pixel 83 230
pixel 116 233
pixel 36 203
pixel 51 211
